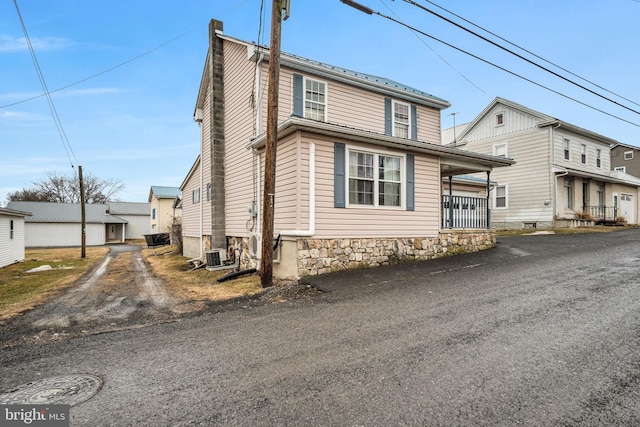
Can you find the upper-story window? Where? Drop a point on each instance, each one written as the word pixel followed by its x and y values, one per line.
pixel 195 196
pixel 567 149
pixel 500 150
pixel 315 100
pixel 11 229
pixel 153 213
pixel 499 119
pixel 621 169
pixel 401 120
pixel 208 192
pixel 583 154
pixel 598 158
pixel 375 179
pixel 628 155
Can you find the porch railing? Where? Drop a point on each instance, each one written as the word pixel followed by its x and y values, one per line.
pixel 602 212
pixel 464 212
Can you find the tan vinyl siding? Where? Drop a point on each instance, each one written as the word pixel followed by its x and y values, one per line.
pixel 292 186
pixel 239 168
pixel 190 210
pixel 346 105
pixel 365 222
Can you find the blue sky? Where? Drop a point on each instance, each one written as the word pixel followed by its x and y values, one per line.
pixel 134 124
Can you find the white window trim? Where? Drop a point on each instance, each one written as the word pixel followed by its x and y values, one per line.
pixel 630 157
pixel 506 149
pixel 499 113
pixel 583 154
pixel 403 178
pixel 304 96
pixel 599 158
pixel 566 141
pixel 393 118
pixel 622 169
pixel 195 196
pixel 506 196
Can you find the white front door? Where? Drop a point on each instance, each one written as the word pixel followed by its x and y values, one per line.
pixel 626 208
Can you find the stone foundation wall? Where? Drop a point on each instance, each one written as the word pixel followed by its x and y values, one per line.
pixel 319 256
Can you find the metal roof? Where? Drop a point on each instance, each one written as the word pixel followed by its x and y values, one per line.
pixel 129 208
pixel 164 192
pixel 66 212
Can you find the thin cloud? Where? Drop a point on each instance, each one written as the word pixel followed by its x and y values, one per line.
pixel 10 44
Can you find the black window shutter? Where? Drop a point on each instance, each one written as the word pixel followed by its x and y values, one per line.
pixel 411 206
pixel 387 117
pixel 339 183
pixel 298 109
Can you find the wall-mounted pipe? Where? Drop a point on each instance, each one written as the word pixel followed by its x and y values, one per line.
pixel 312 199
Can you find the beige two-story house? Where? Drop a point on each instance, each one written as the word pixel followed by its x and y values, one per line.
pixel 360 170
pixel 562 175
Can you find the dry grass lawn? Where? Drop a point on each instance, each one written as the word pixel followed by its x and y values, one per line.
pixel 21 291
pixel 198 285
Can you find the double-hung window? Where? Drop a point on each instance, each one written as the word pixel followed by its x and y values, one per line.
pixel 598 158
pixel 315 100
pixel 583 154
pixel 566 146
pixel 501 196
pixel 401 120
pixel 11 229
pixel 375 179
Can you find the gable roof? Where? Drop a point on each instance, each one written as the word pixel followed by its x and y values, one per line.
pixel 371 82
pixel 545 120
pixel 66 212
pixel 620 144
pixel 13 212
pixel 164 192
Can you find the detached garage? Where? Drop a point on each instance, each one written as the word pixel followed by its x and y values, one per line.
pixel 60 224
pixel 11 236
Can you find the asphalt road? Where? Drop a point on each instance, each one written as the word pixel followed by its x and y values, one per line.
pixel 542 330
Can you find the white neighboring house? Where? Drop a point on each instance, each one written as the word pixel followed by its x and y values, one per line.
pixel 563 172
pixel 11 236
pixel 60 224
pixel 136 215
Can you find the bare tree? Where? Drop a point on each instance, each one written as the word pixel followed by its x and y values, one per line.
pixel 66 189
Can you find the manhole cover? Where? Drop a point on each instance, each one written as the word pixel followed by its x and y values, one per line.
pixel 63 390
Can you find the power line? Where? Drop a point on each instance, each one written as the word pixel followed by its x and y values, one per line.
pixel 532 53
pixel 437 54
pixel 54 113
pixel 147 52
pixel 370 11
pixel 499 46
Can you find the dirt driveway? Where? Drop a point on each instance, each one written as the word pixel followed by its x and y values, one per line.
pixel 120 292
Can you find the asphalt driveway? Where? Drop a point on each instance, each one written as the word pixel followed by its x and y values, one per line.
pixel 540 331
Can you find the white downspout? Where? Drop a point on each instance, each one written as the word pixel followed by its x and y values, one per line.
pixel 198 119
pixel 312 199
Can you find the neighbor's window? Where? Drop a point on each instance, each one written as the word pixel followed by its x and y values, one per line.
pixel 315 100
pixel 208 191
pixel 621 169
pixel 195 196
pixel 153 213
pixel 11 229
pixel 628 155
pixel 583 154
pixel 598 158
pixel 500 150
pixel 501 196
pixel 401 121
pixel 568 192
pixel 499 119
pixel 374 179
pixel 567 145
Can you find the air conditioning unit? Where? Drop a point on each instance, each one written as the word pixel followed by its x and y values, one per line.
pixel 255 247
pixel 216 258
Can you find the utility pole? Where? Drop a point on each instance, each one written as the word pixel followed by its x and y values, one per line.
pixel 83 251
pixel 268 195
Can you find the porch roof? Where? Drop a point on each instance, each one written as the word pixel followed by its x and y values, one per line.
pixel 614 177
pixel 453 161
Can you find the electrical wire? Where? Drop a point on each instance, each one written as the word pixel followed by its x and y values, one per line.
pixel 54 113
pixel 532 53
pixel 499 46
pixel 147 52
pixel 437 54
pixel 499 67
